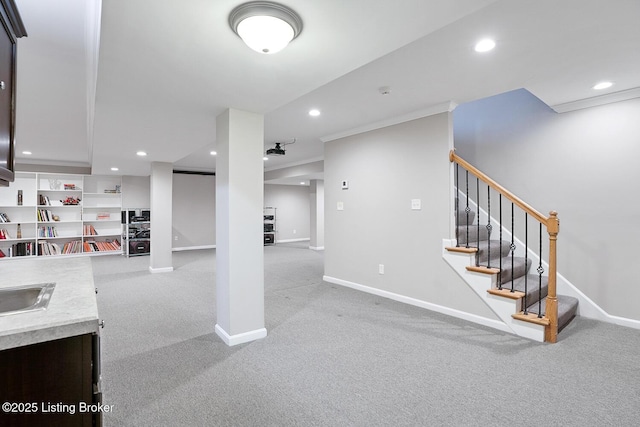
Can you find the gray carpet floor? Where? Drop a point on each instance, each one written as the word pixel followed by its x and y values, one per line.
pixel 338 357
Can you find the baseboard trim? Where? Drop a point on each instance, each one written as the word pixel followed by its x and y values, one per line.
pixel 316 248
pixel 161 270
pixel 304 239
pixel 492 323
pixel 245 337
pixel 624 321
pixel 193 248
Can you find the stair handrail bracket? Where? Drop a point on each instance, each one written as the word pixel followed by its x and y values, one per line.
pixel 552 225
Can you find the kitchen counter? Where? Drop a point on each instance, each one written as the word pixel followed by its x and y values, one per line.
pixel 72 309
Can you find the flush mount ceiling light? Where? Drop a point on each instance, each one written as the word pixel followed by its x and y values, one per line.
pixel 314 113
pixel 264 26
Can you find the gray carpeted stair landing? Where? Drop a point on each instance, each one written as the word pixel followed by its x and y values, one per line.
pixel 512 269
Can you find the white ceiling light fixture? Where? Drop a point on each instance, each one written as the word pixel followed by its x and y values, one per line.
pixel 265 26
pixel 27 153
pixel 314 113
pixel 141 153
pixel 115 169
pixel 484 45
pixel 603 85
pixel 213 153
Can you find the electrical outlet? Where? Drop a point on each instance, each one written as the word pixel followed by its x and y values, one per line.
pixel 381 268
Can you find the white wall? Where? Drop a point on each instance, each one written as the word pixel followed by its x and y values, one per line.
pixel 292 204
pixel 583 164
pixel 194 211
pixel 385 170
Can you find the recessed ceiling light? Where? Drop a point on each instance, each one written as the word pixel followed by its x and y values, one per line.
pixel 265 158
pixel 485 45
pixel 115 169
pixel 314 113
pixel 213 153
pixel 302 183
pixel 603 85
pixel 141 153
pixel 28 153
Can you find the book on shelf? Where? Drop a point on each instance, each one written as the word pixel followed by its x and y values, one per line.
pixel 4 234
pixel 89 230
pixel 21 249
pixel 48 248
pixel 4 217
pixel 44 200
pixel 103 216
pixel 45 215
pixel 47 231
pixel 72 247
pixel 101 245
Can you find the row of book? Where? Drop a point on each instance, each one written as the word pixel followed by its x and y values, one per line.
pixel 44 200
pixel 51 248
pixel 101 246
pixel 4 217
pixel 48 231
pixel 4 234
pixel 45 215
pixel 89 230
pixel 19 249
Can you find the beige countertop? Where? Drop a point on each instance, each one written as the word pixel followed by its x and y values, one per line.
pixel 72 309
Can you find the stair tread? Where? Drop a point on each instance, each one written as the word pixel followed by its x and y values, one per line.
pixel 567 309
pixel 533 287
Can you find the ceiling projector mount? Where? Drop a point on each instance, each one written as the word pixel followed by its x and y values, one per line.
pixel 279 150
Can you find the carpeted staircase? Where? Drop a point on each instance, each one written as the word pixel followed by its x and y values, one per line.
pixel 494 257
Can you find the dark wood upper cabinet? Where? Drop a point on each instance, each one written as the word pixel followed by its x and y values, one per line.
pixel 12 29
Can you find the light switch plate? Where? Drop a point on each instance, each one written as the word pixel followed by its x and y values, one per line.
pixel 340 206
pixel 416 204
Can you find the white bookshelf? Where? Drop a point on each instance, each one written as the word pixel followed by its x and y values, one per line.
pixel 61 215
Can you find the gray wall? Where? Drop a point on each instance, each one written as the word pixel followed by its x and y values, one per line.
pixel 136 192
pixel 292 204
pixel 385 170
pixel 194 207
pixel 584 164
pixel 194 210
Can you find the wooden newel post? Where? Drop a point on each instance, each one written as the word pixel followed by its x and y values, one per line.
pixel 551 310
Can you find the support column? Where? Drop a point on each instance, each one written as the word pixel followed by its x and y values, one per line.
pixel 239 228
pixel 161 186
pixel 316 193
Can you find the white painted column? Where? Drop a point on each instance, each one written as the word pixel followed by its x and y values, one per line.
pixel 239 227
pixel 316 194
pixel 161 189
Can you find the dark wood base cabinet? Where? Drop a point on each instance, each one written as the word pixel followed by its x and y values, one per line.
pixel 54 383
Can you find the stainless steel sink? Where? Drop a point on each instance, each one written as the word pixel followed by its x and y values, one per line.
pixel 23 299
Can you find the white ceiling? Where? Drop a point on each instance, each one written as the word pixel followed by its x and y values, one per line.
pixel 98 81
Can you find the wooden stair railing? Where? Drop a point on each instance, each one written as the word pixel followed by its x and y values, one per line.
pixel 552 224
